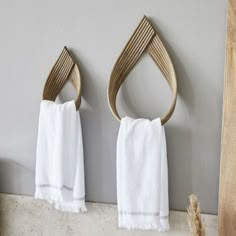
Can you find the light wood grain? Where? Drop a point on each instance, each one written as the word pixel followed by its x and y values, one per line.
pixel 227 190
pixel 63 70
pixel 143 39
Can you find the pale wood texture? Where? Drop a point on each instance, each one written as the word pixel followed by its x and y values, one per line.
pixel 63 70
pixel 227 191
pixel 143 39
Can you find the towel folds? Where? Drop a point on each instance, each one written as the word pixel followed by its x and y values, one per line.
pixel 142 175
pixel 59 159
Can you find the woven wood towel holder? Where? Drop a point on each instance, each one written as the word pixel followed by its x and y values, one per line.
pixel 143 39
pixel 65 69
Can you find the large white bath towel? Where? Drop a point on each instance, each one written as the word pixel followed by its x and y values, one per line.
pixel 59 159
pixel 142 175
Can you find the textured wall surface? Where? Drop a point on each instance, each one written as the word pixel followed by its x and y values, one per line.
pixel 32 36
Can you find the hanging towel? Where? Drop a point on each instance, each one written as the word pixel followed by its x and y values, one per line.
pixel 142 175
pixel 59 158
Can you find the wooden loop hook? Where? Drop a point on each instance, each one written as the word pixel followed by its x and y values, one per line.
pixel 143 39
pixel 63 70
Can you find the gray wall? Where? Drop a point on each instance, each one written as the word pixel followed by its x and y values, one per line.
pixel 32 36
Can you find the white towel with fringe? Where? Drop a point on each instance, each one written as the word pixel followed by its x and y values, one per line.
pixel 142 175
pixel 59 159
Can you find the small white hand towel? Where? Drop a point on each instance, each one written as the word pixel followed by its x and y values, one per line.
pixel 59 158
pixel 142 175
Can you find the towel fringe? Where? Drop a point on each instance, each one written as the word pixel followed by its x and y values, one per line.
pixel 79 205
pixel 163 227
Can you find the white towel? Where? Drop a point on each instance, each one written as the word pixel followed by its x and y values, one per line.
pixel 142 175
pixel 59 158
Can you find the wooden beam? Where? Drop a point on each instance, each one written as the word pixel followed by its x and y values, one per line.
pixel 227 190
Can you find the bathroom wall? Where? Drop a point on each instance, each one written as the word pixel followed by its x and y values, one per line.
pixel 34 32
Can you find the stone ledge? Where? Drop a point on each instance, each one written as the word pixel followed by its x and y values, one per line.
pixel 21 215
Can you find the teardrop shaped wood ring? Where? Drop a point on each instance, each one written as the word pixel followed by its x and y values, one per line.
pixel 65 69
pixel 143 39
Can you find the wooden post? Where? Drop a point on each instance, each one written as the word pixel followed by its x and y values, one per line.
pixel 227 190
